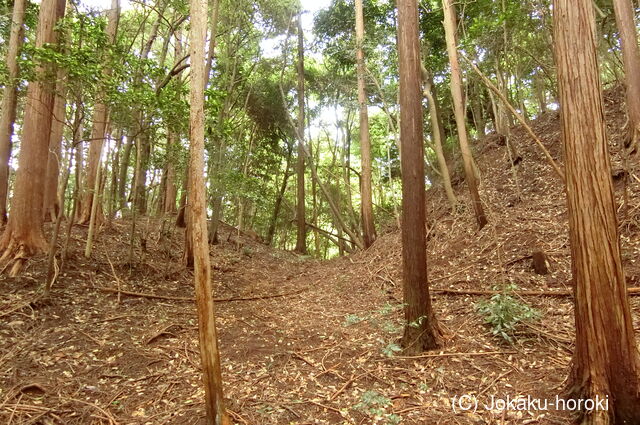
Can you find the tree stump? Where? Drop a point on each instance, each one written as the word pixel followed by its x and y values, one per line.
pixel 539 262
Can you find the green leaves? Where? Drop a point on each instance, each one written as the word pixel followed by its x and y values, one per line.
pixel 377 405
pixel 504 313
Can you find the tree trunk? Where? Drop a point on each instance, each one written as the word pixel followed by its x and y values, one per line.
pixel 209 353
pixel 276 209
pixel 215 9
pixel 180 218
pixel 9 101
pixel 478 110
pixel 115 172
pixel 51 203
pixel 421 331
pixel 459 109
pixel 368 227
pixel 171 190
pixel 605 359
pixel 24 235
pixel 143 155
pixel 123 170
pixel 624 12
pixel 143 144
pixel 539 91
pixel 98 131
pixel 301 238
pixel 437 132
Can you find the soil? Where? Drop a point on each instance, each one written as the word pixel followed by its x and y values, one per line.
pixel 324 350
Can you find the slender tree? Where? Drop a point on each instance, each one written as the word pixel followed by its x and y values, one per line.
pixel 142 140
pixel 24 235
pixel 421 331
pixel 301 239
pixel 368 226
pixel 605 359
pixel 209 354
pixel 625 12
pixel 438 136
pixel 171 188
pixel 51 201
pixel 459 110
pixel 98 130
pixel 9 101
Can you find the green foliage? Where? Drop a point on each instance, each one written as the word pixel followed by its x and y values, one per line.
pixel 377 405
pixel 504 313
pixel 380 319
pixel 352 319
pixel 391 349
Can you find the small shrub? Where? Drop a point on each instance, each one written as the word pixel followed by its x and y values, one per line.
pixel 375 404
pixel 390 349
pixel 504 313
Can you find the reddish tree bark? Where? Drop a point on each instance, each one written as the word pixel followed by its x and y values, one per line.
pixel 605 359
pixel 9 102
pixel 421 331
pixel 24 234
pixel 624 12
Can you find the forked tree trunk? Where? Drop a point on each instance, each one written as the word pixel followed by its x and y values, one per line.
pixel 209 353
pixel 24 235
pixel 421 331
pixel 301 234
pixel 625 12
pixel 368 226
pixel 98 130
pixel 605 359
pixel 9 102
pixel 458 105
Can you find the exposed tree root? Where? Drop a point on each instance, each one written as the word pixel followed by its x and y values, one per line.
pixel 16 256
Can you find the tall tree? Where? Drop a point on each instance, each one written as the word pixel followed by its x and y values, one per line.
pixel 421 331
pixel 301 236
pixel 24 233
pixel 209 354
pixel 9 101
pixel 143 141
pixel 459 110
pixel 368 226
pixel 605 359
pixel 98 131
pixel 625 12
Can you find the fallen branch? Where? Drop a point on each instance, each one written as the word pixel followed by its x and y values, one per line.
pixel 20 307
pixel 459 354
pixel 559 293
pixel 519 117
pixel 218 300
pixel 346 385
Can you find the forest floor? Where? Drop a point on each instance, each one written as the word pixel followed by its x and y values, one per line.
pixel 304 341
